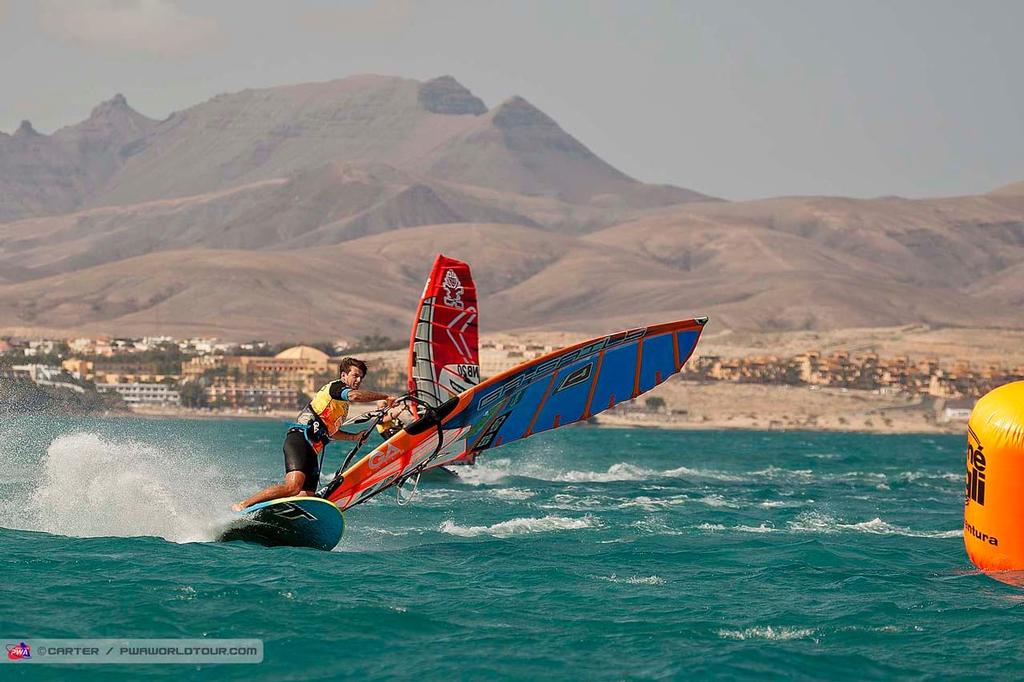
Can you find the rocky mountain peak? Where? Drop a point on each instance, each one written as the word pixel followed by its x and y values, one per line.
pixel 445 95
pixel 516 112
pixel 110 124
pixel 114 105
pixel 25 130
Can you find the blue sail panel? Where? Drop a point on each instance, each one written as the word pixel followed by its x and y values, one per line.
pixel 658 361
pixel 616 380
pixel 567 400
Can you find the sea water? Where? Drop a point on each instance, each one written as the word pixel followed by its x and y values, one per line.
pixel 582 553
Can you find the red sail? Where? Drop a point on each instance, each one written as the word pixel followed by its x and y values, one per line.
pixel 444 354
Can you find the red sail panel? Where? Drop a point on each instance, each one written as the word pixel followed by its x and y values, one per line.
pixel 444 353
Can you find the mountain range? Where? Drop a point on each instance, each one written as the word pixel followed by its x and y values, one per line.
pixel 314 210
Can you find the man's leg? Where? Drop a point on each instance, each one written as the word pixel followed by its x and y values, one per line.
pixel 302 468
pixel 291 487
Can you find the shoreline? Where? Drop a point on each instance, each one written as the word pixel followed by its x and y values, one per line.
pixel 874 421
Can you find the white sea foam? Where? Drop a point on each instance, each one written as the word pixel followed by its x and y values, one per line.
pixel 686 472
pixel 616 472
pixel 718 501
pixel 880 628
pixel 763 528
pixel 489 472
pixel 816 522
pixel 633 579
pixel 486 471
pixel 711 526
pixel 651 504
pixel 91 486
pixel 425 493
pixel 716 527
pixel 519 526
pixel 774 473
pixel 780 633
pixel 566 502
pixel 513 493
pixel 655 527
pixel 785 504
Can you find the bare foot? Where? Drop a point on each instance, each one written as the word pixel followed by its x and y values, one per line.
pixel 237 507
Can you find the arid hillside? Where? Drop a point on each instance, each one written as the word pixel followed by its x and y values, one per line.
pixel 314 211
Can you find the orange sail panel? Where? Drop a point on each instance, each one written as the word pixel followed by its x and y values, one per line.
pixel 559 388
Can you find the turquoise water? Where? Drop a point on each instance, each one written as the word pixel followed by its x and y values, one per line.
pixel 576 554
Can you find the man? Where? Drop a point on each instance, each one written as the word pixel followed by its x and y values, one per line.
pixel 316 426
pixel 392 422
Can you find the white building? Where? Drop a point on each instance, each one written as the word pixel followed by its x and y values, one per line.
pixel 46 375
pixel 145 394
pixel 958 410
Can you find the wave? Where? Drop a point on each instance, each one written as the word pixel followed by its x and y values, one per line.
pixel 772 473
pixel 763 528
pixel 815 522
pixel 520 526
pixel 633 579
pixel 784 504
pixel 489 472
pixel 718 501
pixel 513 493
pixel 655 527
pixel 486 472
pixel 768 632
pixel 566 502
pixel 616 472
pixel 651 504
pixel 91 487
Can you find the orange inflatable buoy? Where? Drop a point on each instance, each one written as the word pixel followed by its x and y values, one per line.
pixel 994 493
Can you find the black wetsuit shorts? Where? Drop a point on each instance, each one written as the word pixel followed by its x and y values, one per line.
pixel 300 456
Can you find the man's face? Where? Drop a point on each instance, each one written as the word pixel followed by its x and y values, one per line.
pixel 353 377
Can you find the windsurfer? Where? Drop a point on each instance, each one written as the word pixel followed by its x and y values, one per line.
pixel 393 421
pixel 317 425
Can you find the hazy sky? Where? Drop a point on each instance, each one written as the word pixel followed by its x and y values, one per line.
pixel 736 99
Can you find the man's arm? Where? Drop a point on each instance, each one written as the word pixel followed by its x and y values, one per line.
pixel 358 395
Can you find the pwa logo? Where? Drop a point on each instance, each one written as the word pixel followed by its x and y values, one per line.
pixel 976 465
pixel 452 290
pixel 19 652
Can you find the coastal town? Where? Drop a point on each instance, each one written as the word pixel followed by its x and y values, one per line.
pixel 207 376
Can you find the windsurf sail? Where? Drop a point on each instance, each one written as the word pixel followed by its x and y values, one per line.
pixel 444 354
pixel 562 387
